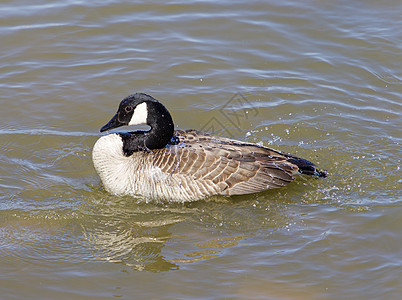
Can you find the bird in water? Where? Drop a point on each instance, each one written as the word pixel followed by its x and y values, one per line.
pixel 185 165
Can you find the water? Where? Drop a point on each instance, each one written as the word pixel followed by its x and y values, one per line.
pixel 320 79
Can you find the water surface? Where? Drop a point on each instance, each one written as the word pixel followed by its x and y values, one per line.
pixel 320 79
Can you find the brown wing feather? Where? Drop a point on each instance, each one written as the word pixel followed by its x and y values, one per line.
pixel 208 165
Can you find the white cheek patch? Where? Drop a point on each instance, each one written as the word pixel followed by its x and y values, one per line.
pixel 140 115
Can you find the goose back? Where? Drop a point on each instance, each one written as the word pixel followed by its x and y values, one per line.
pixel 197 166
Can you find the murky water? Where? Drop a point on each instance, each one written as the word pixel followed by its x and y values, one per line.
pixel 320 79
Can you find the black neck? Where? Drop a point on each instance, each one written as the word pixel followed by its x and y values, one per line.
pixel 157 137
pixel 162 126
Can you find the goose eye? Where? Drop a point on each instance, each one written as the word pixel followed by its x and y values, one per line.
pixel 128 109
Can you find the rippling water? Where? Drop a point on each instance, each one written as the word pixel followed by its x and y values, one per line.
pixel 320 79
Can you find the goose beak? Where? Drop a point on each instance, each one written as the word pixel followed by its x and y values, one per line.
pixel 113 123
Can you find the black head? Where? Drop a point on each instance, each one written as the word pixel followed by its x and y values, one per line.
pixel 139 109
pixel 133 110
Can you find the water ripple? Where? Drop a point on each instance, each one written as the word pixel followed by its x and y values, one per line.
pixel 320 81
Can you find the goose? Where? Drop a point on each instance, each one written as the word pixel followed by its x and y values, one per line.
pixel 170 165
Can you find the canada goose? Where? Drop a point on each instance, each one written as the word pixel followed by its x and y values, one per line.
pixel 185 165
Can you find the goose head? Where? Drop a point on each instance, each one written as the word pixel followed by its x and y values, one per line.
pixel 140 109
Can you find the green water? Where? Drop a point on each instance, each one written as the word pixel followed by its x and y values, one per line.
pixel 319 79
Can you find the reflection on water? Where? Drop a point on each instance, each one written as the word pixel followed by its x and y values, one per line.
pixel 137 247
pixel 135 234
pixel 132 235
pixel 210 249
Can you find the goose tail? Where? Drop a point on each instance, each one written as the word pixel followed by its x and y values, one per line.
pixel 307 167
